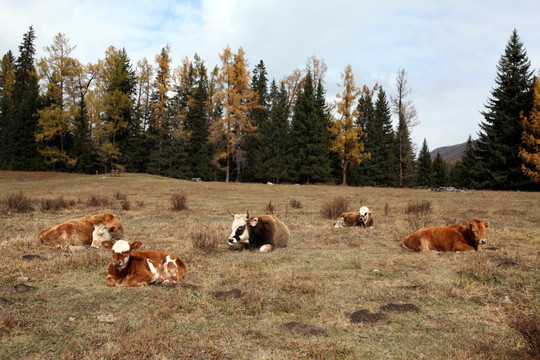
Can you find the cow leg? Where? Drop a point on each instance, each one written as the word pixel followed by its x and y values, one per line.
pixel 424 246
pixel 463 247
pixel 266 248
pixel 138 280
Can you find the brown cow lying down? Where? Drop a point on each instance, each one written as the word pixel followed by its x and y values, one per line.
pixel 77 233
pixel 140 268
pixel 264 233
pixel 448 238
pixel 361 218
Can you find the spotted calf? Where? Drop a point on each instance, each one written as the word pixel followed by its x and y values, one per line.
pixel 140 268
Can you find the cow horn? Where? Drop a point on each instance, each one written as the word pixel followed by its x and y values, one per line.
pixel 230 213
pixel 247 214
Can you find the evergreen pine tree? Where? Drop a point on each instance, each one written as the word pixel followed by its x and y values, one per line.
pixel 424 170
pixel 275 135
pixel 466 169
pixel 199 150
pixel 310 140
pixel 22 149
pixel 363 174
pixel 440 172
pixel 386 173
pixel 497 148
pixel 7 80
pixel 256 142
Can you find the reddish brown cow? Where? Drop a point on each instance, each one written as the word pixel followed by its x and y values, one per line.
pixel 77 233
pixel 140 268
pixel 361 218
pixel 448 238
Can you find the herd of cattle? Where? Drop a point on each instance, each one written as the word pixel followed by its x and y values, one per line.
pixel 264 234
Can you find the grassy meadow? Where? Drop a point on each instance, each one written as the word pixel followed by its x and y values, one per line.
pixel 331 294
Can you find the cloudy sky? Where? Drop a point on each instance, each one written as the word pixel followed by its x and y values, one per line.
pixel 449 49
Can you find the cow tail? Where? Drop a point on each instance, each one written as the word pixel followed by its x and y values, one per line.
pixel 404 245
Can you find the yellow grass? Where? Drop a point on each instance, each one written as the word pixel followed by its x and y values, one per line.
pixel 465 300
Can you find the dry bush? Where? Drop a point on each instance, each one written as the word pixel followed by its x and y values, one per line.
pixel 418 214
pixel 269 208
pixel 140 203
pixel 334 208
pixel 98 201
pixel 18 202
pixel 179 201
pixel 58 203
pixel 205 241
pixel 528 326
pixel 120 196
pixel 296 204
pixel 126 204
pixel 386 209
pixel 419 208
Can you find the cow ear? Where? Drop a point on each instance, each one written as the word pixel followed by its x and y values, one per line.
pixel 486 224
pixel 107 244
pixel 135 245
pixel 253 222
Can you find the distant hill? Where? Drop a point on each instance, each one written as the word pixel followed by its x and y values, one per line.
pixel 450 153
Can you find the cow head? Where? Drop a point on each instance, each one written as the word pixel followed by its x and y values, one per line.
pixel 121 252
pixel 365 212
pixel 477 230
pixel 101 233
pixel 239 227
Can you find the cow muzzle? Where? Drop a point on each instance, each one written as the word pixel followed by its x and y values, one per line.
pixel 117 264
pixel 482 241
pixel 232 241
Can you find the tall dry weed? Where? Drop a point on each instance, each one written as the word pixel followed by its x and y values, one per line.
pixel 334 208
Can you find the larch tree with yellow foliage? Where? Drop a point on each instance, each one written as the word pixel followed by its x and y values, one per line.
pixel 56 121
pixel 346 136
pixel 530 146
pixel 238 100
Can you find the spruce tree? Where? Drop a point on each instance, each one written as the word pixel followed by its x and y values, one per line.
pixel 310 140
pixel 386 173
pixel 256 142
pixel 363 174
pixel 7 80
pixel 440 172
pixel 424 170
pixel 466 169
pixel 497 148
pixel 199 150
pixel 22 149
pixel 275 135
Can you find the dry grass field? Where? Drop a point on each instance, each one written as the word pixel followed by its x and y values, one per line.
pixel 331 294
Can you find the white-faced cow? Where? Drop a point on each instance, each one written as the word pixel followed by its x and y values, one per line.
pixel 361 218
pixel 77 233
pixel 466 237
pixel 264 233
pixel 140 268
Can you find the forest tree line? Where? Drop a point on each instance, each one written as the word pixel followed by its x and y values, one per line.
pixel 228 123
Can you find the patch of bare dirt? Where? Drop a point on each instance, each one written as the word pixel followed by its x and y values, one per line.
pixel 305 329
pixel 189 286
pixel 400 308
pixel 19 288
pixel 225 295
pixel 507 262
pixel 365 316
pixel 30 257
